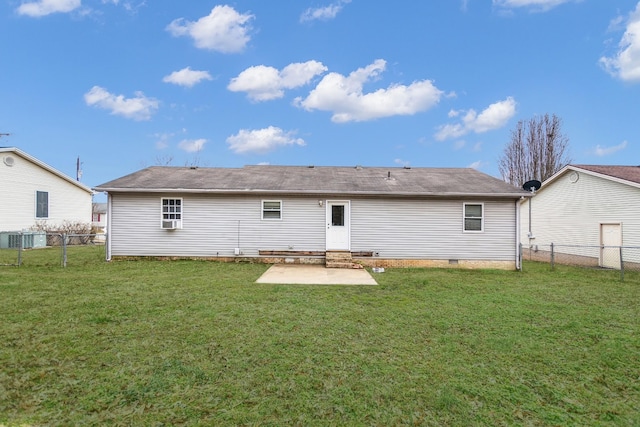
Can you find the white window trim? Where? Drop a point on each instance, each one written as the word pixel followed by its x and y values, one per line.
pixel 262 210
pixel 178 221
pixel 464 217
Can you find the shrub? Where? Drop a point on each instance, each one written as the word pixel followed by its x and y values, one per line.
pixel 78 232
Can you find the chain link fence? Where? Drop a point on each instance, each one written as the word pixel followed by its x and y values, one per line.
pixel 35 248
pixel 622 258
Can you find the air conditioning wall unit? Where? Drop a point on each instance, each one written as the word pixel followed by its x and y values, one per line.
pixel 170 224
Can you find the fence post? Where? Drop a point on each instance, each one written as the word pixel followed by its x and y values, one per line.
pixel 521 257
pixel 19 249
pixel 64 249
pixel 621 266
pixel 552 257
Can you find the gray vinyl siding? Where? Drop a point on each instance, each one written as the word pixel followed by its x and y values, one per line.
pixel 216 225
pixel 432 229
pixel 570 213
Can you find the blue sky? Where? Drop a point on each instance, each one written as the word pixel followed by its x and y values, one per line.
pixel 126 84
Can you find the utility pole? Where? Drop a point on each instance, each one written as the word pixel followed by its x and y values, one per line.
pixel 78 169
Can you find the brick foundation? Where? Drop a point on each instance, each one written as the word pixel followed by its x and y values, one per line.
pixel 365 261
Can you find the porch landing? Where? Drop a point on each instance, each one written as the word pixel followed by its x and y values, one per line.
pixel 315 275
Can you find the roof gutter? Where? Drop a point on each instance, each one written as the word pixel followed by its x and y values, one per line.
pixel 308 193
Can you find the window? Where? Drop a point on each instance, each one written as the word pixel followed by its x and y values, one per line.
pixel 271 209
pixel 473 216
pixel 42 204
pixel 172 211
pixel 337 215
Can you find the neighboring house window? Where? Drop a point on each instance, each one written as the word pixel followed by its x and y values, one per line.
pixel 271 209
pixel 473 216
pixel 172 211
pixel 42 204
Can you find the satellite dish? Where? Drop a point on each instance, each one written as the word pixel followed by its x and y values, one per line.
pixel 533 185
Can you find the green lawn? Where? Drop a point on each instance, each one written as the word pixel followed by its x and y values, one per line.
pixel 199 343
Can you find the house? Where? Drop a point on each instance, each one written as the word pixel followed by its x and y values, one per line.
pixel 378 216
pixel 33 192
pixel 587 212
pixel 99 217
pixel 99 222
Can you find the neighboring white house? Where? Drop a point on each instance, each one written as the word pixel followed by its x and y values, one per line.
pixel 33 192
pixel 379 216
pixel 99 217
pixel 586 211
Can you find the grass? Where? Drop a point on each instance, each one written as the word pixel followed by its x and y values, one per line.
pixel 199 343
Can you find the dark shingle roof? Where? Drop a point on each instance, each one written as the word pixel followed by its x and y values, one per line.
pixel 627 173
pixel 315 180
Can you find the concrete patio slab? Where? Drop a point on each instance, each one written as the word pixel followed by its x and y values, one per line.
pixel 315 275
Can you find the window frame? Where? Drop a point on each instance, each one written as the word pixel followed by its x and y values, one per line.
pixel 263 210
pixel 178 215
pixel 38 213
pixel 465 217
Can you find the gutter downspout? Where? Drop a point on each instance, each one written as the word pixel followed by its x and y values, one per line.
pixel 519 203
pixel 108 242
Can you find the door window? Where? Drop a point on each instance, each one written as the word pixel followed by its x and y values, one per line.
pixel 337 215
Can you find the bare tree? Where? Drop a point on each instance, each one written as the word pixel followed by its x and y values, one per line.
pixel 164 160
pixel 537 150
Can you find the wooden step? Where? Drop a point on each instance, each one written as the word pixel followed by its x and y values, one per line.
pixel 337 255
pixel 340 259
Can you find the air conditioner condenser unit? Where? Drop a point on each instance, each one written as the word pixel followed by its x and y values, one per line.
pixel 169 224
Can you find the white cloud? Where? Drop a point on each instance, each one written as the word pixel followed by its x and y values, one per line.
pixel 192 145
pixel 539 5
pixel 187 77
pixel 138 108
pixel 401 162
pixel 344 96
pixel 162 140
pixel 625 63
pixel 605 151
pixel 46 7
pixel 223 30
pixel 262 140
pixel 493 117
pixel 128 5
pixel 323 13
pixel 264 83
pixel 477 165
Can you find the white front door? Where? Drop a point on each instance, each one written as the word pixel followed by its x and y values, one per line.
pixel 611 240
pixel 338 221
